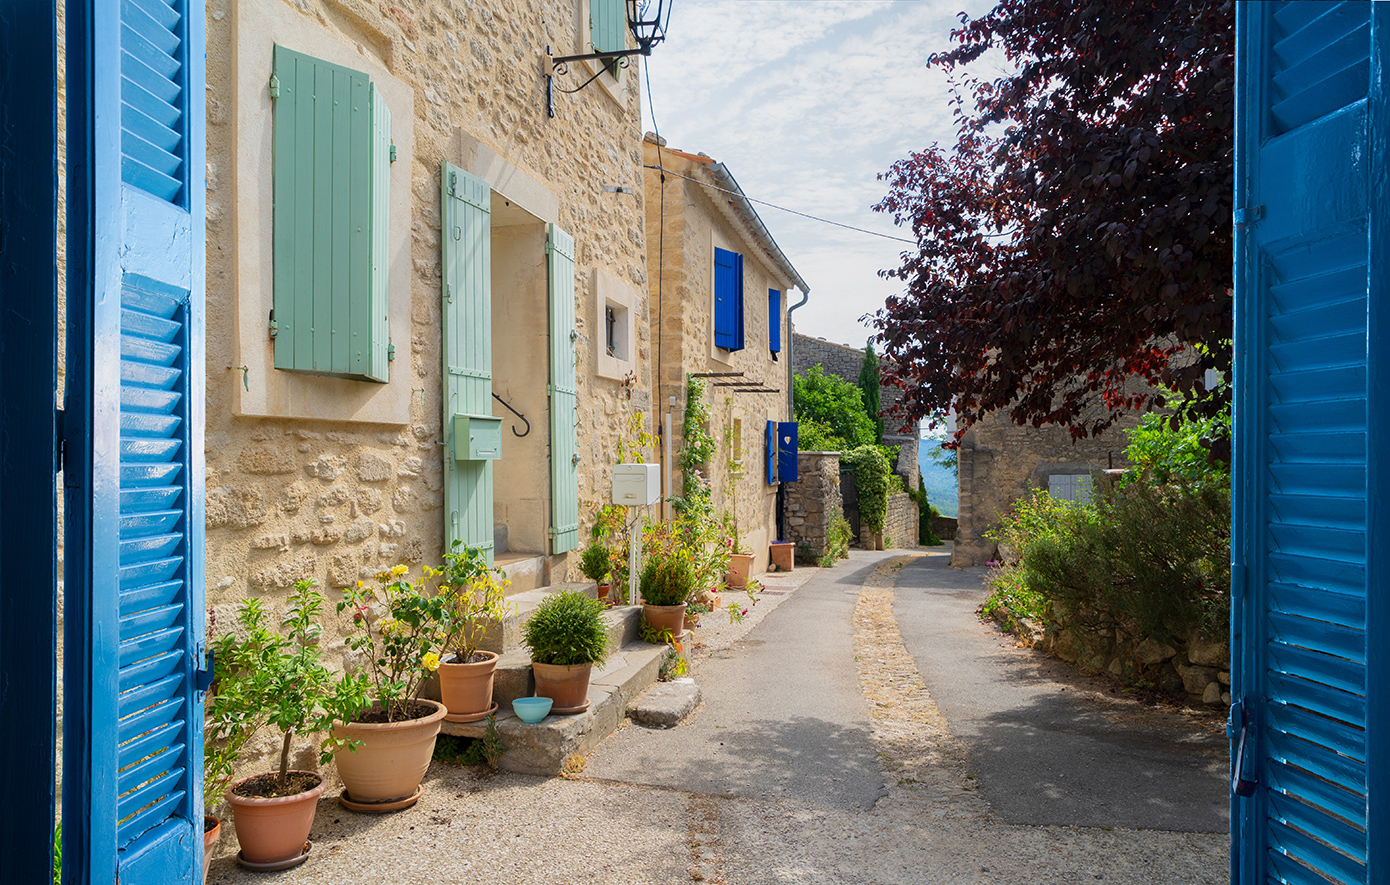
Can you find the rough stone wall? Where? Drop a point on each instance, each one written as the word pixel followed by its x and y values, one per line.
pixel 944 527
pixel 337 500
pixel 900 524
pixel 812 502
pixel 999 461
pixel 686 221
pixel 844 361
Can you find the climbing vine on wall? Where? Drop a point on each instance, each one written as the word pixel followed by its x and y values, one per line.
pixel 697 444
pixel 871 472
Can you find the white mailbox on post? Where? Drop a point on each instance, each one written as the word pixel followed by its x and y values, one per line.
pixel 636 485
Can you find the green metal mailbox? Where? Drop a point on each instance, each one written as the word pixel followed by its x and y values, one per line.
pixel 477 438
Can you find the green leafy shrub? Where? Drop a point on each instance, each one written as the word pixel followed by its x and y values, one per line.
pixel 1163 452
pixel 869 384
pixel 871 475
pixel 925 536
pixel 834 404
pixel 567 628
pixel 813 436
pixel 836 541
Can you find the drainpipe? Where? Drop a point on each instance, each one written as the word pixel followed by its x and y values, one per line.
pixel 791 353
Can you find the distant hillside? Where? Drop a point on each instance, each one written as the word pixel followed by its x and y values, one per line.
pixel 940 482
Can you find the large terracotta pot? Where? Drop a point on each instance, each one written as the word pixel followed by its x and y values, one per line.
pixel 782 554
pixel 466 689
pixel 665 617
pixel 273 830
pixel 212 831
pixel 390 763
pixel 565 684
pixel 740 565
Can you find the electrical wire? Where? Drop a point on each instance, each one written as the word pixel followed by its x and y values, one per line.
pixel 872 233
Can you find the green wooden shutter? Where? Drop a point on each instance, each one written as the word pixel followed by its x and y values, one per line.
pixel 564 449
pixel 331 165
pixel 608 25
pixel 467 246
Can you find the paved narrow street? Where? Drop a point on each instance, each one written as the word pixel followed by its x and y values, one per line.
pixel 866 728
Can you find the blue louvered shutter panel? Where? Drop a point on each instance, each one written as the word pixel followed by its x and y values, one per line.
pixel 1309 688
pixel 133 767
pixel 564 416
pixel 774 320
pixel 728 299
pixel 467 294
pixel 787 451
pixel 331 166
pixel 770 452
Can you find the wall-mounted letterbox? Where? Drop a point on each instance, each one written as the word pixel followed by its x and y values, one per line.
pixel 635 485
pixel 477 438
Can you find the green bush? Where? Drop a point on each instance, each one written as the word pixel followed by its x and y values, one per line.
pixel 836 541
pixel 1164 453
pixel 834 404
pixel 813 436
pixel 567 628
pixel 871 473
pixel 925 511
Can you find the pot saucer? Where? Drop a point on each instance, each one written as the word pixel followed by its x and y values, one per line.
pixel 470 717
pixel 579 709
pixel 379 807
pixel 276 865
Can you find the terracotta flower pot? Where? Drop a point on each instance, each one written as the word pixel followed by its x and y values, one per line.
pixel 212 831
pixel 389 765
pixel 740 565
pixel 665 617
pixel 782 554
pixel 272 830
pixel 565 684
pixel 466 689
pixel 692 621
pixel 603 591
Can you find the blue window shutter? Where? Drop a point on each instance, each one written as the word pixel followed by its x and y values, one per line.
pixel 133 741
pixel 331 167
pixel 787 450
pixel 467 370
pixel 564 445
pixel 774 320
pixel 1309 672
pixel 770 447
pixel 728 299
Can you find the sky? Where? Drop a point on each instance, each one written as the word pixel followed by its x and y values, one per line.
pixel 806 102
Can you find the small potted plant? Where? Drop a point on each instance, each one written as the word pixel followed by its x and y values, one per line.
pixel 473 600
pixel 385 749
pixel 670 570
pixel 740 560
pixel 596 564
pixel 693 610
pixel 567 636
pixel 270 678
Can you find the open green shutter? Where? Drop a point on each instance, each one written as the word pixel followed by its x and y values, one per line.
pixel 331 186
pixel 564 449
pixel 467 247
pixel 608 25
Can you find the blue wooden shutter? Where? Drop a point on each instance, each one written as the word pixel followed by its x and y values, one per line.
pixel 467 245
pixel 770 452
pixel 133 718
pixel 564 445
pixel 1309 756
pixel 331 165
pixel 787 450
pixel 728 299
pixel 774 320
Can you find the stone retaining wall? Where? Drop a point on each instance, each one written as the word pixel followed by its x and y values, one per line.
pixel 812 502
pixel 944 527
pixel 900 523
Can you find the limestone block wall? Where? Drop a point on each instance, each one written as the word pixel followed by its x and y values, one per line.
pixel 900 524
pixel 812 502
pixel 999 461
pixel 844 361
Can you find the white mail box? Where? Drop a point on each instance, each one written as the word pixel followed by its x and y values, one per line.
pixel 635 485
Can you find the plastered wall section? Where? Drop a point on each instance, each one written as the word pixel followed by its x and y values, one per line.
pixel 330 480
pixel 686 221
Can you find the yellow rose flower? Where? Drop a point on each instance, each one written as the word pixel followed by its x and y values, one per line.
pixel 430 661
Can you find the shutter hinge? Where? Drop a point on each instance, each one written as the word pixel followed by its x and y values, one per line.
pixel 393 152
pixel 274 328
pixel 390 352
pixel 453 183
pixel 274 86
pixel 203 675
pixel 1248 215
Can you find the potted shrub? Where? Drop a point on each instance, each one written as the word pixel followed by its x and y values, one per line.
pixel 596 563
pixel 567 636
pixel 670 571
pixel 473 600
pixel 269 678
pixel 740 560
pixel 386 747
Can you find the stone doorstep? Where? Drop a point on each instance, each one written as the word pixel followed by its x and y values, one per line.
pixel 542 747
pixel 525 571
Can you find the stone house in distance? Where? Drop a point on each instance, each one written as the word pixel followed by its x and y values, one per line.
pixel 719 288
pixel 405 254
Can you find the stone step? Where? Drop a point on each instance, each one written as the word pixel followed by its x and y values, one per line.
pixel 504 636
pixel 542 747
pixel 526 571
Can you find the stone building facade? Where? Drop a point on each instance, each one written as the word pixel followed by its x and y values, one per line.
pixel 332 478
pixel 698 215
pixel 844 361
pixel 813 502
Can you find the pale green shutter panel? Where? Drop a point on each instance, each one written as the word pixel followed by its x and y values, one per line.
pixel 467 247
pixel 564 449
pixel 372 357
pixel 329 132
pixel 608 25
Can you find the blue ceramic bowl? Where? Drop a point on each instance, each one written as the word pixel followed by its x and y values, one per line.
pixel 531 709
